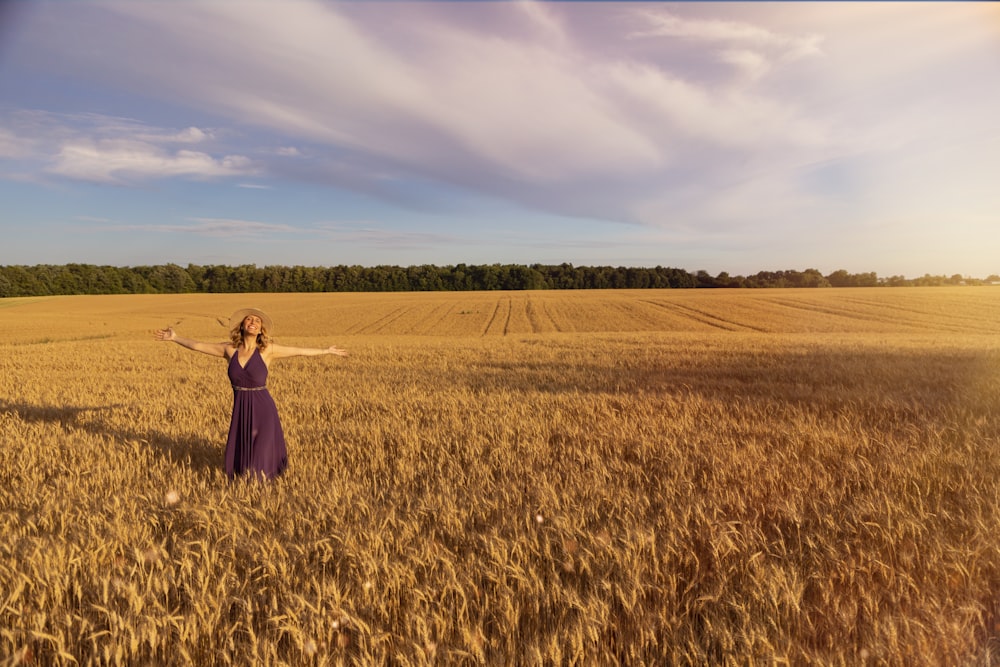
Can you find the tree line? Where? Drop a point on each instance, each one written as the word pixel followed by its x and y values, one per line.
pixel 47 279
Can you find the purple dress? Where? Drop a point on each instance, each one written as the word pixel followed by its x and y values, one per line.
pixel 256 442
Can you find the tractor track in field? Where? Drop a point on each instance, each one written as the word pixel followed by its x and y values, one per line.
pixel 858 315
pixel 384 321
pixel 539 317
pixel 498 316
pixel 917 316
pixel 433 319
pixel 706 318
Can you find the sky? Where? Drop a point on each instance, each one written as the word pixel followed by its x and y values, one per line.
pixel 728 136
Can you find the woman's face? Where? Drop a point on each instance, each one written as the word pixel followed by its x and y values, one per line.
pixel 252 324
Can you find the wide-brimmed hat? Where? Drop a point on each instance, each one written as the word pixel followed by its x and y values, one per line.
pixel 237 318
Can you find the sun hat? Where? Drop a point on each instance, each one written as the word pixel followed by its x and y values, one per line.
pixel 237 318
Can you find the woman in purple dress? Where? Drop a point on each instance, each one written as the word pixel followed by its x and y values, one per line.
pixel 256 442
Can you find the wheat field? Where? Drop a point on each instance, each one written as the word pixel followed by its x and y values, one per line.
pixel 648 477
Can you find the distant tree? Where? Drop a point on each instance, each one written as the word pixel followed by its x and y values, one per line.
pixel 704 279
pixel 524 278
pixel 485 277
pixel 169 278
pixel 840 278
pixel 217 279
pixel 726 280
pixel 811 278
pixel 14 281
pixel 927 280
pixel 767 279
pixel 106 280
pixel 424 278
pixel 869 279
pixel 351 279
pixel 197 275
pixel 244 278
pixel 565 276
pixel 133 282
pixel 7 288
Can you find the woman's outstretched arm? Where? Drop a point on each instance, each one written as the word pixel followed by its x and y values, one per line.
pixel 214 349
pixel 280 351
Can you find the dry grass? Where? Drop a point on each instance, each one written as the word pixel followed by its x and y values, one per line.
pixel 773 477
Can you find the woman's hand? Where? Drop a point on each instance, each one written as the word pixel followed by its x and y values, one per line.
pixel 164 334
pixel 333 349
pixel 214 349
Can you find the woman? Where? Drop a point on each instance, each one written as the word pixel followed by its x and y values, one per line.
pixel 256 442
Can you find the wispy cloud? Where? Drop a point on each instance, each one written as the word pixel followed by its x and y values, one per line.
pixel 121 161
pixel 190 135
pixel 209 227
pixel 223 227
pixel 12 145
pixel 663 23
pixel 372 235
pixel 112 150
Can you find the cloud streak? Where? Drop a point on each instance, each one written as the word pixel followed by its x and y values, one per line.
pixel 111 150
pixel 374 236
pixel 122 161
pixel 208 227
pixel 661 23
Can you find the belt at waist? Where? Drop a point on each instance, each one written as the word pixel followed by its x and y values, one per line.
pixel 248 388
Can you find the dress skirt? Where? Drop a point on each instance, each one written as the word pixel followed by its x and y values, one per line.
pixel 256 443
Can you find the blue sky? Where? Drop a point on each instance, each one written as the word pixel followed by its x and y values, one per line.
pixel 726 136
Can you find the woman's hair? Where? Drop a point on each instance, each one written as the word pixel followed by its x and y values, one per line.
pixel 236 337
